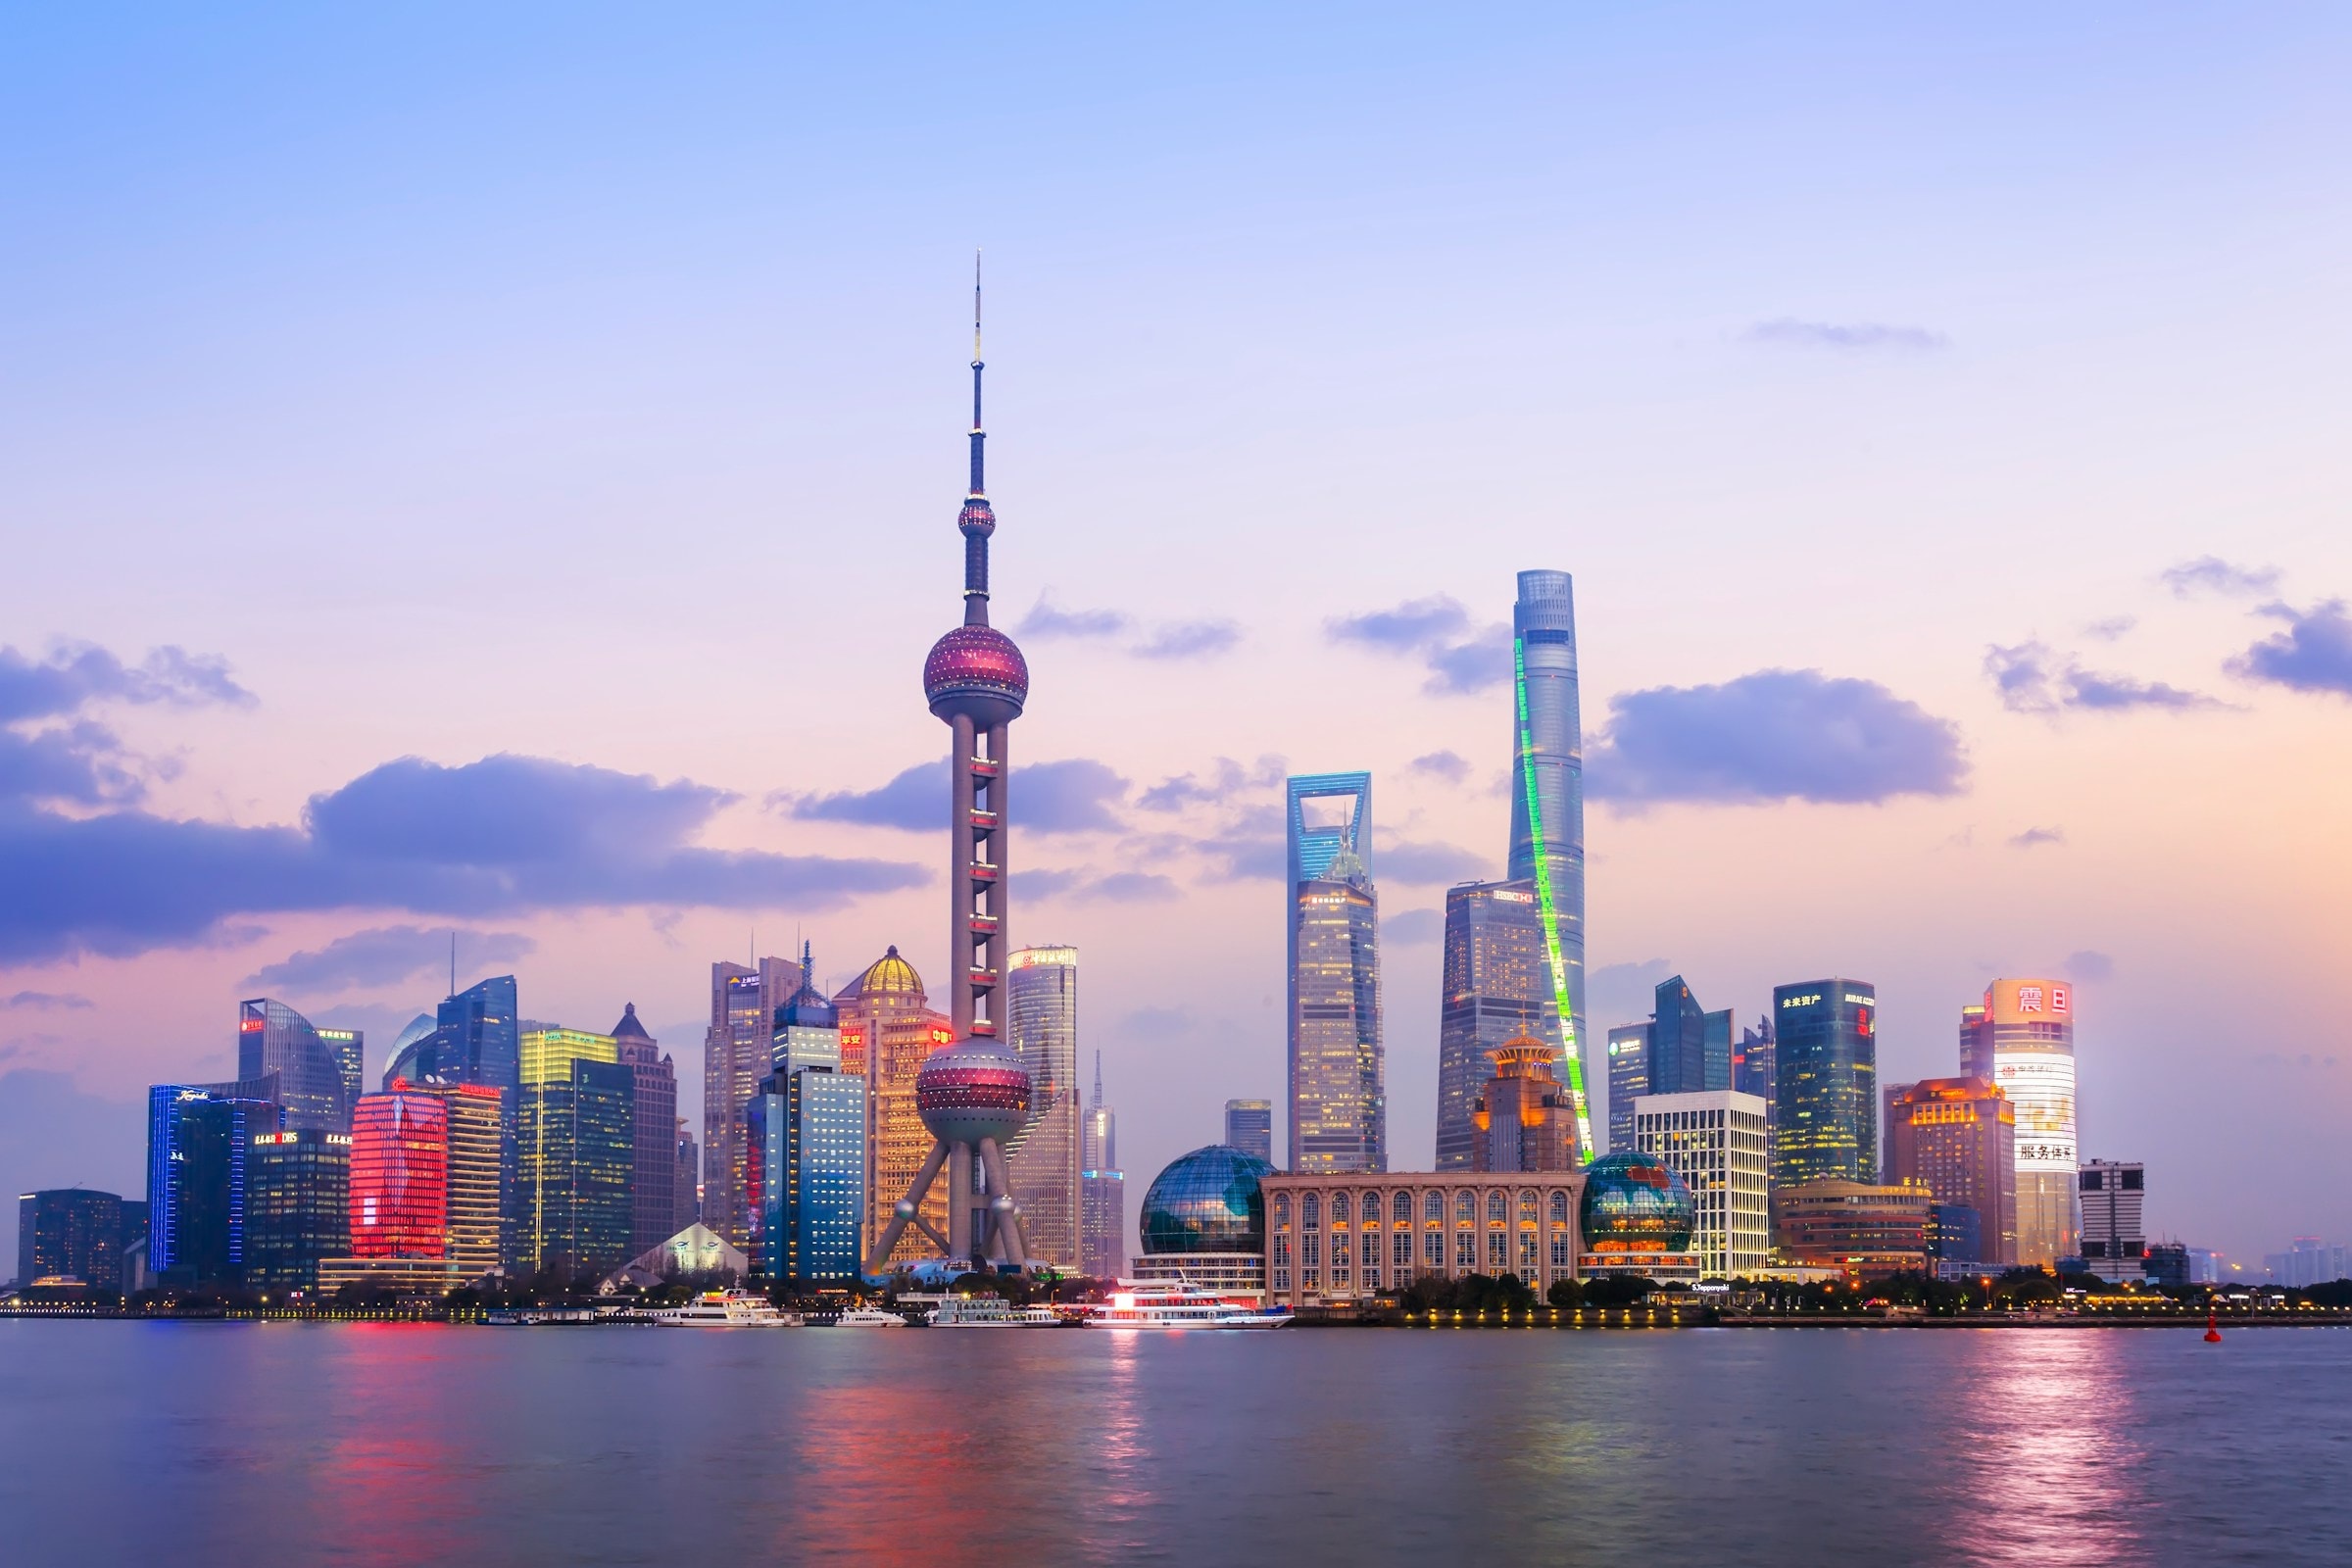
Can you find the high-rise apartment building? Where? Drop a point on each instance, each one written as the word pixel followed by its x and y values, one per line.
pixel 1102 1190
pixel 653 1165
pixel 2115 1239
pixel 1521 1119
pixel 1547 802
pixel 1719 1143
pixel 1628 1080
pixel 2022 1037
pixel 399 1176
pixel 475 1223
pixel 70 1233
pixel 297 1206
pixel 318 1072
pixel 887 1031
pixel 1825 1068
pixel 1249 1127
pixel 1497 989
pixel 197 1134
pixel 2307 1261
pixel 1690 1048
pixel 1338 1098
pixel 1042 1002
pixel 579 1151
pixel 735 1057
pixel 1957 1136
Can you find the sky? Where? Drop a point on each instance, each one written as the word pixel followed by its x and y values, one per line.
pixel 498 473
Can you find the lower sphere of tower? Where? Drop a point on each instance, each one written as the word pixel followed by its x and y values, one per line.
pixel 973 1090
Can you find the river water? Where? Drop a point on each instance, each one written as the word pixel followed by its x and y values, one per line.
pixel 202 1444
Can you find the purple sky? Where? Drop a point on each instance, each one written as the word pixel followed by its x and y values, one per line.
pixel 502 475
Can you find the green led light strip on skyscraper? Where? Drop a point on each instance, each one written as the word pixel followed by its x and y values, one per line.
pixel 1551 914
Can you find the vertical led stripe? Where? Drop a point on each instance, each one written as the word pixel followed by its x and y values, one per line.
pixel 1551 914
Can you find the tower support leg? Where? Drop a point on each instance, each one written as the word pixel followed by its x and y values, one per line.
pixel 1006 1219
pixel 909 1208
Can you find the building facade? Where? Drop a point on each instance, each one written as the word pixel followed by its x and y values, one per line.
pixel 1338 1100
pixel 318 1072
pixel 1249 1127
pixel 1752 1065
pixel 297 1206
pixel 1204 1220
pixel 888 1030
pixel 2022 1037
pixel 1497 989
pixel 579 1151
pixel 1859 1227
pixel 1548 792
pixel 2115 1238
pixel 197 1134
pixel 1826 1066
pixel 1043 1164
pixel 654 1163
pixel 808 1141
pixel 1331 1238
pixel 1628 1080
pixel 735 1057
pixel 70 1233
pixel 1957 1136
pixel 475 1222
pixel 1720 1143
pixel 1690 1048
pixel 1102 1190
pixel 399 1176
pixel 1521 1120
pixel 688 1193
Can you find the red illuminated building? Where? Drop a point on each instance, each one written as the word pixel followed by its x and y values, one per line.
pixel 400 1175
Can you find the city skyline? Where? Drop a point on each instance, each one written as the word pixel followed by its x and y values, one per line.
pixel 1770 467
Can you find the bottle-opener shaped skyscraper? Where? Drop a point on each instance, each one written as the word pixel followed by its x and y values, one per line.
pixel 974 1095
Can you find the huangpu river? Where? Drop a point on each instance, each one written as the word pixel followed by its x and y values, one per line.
pixel 255 1443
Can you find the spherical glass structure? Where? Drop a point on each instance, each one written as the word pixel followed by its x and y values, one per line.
pixel 1633 1204
pixel 976 669
pixel 972 1090
pixel 1206 1201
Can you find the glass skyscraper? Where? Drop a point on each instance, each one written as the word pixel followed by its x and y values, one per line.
pixel 2022 1037
pixel 1249 1127
pixel 1496 990
pixel 1690 1048
pixel 1826 1060
pixel 1547 800
pixel 652 1194
pixel 318 1070
pixel 578 1150
pixel 197 1134
pixel 1042 1007
pixel 1103 1189
pixel 297 1204
pixel 1339 1105
pixel 400 1175
pixel 70 1233
pixel 735 1056
pixel 804 1138
pixel 1629 1081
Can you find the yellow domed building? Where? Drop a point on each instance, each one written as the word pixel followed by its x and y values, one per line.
pixel 887 1030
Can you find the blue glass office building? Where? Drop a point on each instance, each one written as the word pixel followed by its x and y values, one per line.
pixel 197 1136
pixel 1548 772
pixel 318 1070
pixel 808 1131
pixel 1826 1067
pixel 1339 1116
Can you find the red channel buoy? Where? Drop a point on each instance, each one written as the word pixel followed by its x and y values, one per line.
pixel 2213 1328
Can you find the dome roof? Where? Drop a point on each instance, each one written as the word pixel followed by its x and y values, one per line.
pixel 629 1028
pixel 1206 1201
pixel 975 665
pixel 888 974
pixel 1633 1204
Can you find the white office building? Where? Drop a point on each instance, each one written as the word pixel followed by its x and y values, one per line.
pixel 1718 1142
pixel 2114 1246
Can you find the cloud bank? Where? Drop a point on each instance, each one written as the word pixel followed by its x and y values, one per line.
pixel 2211 575
pixel 385 956
pixel 1073 795
pixel 2314 654
pixel 2031 679
pixel 1461 658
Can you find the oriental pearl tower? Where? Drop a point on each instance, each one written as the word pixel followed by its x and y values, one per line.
pixel 974 1094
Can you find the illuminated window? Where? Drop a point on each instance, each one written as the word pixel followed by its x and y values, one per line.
pixel 1465 1251
pixel 1404 1250
pixel 1559 1208
pixel 1527 1255
pixel 1559 1250
pixel 1433 1249
pixel 1433 1206
pixel 1465 1205
pixel 1310 1211
pixel 1371 1206
pixel 1527 1205
pixel 1498 1251
pixel 1497 1206
pixel 1339 1208
pixel 1282 1209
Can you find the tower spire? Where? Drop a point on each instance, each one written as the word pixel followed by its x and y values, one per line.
pixel 1098 1080
pixel 979 432
pixel 977 521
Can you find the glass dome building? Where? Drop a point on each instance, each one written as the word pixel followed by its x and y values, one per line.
pixel 1206 1201
pixel 1633 1204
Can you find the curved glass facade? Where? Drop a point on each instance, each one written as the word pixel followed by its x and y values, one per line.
pixel 1633 1203
pixel 1206 1201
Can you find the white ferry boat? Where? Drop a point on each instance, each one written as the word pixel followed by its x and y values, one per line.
pixel 728 1309
pixel 867 1317
pixel 990 1312
pixel 1174 1305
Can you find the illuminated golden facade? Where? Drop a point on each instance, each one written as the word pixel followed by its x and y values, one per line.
pixel 473 1185
pixel 1331 1238
pixel 1521 1119
pixel 1957 1136
pixel 887 1029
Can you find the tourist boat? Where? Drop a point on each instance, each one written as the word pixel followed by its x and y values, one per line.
pixel 867 1317
pixel 727 1310
pixel 990 1312
pixel 1175 1304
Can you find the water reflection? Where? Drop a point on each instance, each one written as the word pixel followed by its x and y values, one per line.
pixel 2048 1444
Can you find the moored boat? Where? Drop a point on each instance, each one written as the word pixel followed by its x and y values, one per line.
pixel 1175 1304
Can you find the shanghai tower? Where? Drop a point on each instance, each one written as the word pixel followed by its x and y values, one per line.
pixel 1548 804
pixel 973 1094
